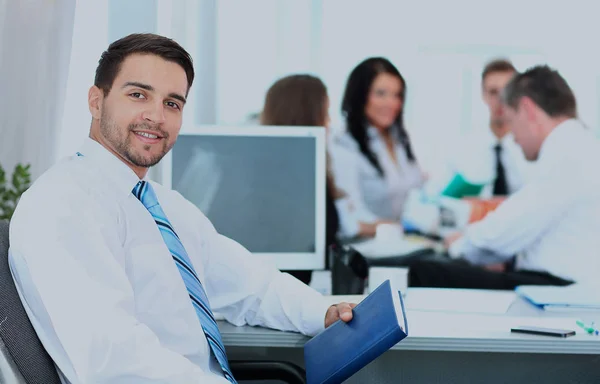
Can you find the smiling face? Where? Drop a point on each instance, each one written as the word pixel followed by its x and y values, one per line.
pixel 140 118
pixel 384 102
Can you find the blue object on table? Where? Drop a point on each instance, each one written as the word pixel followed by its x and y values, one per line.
pixel 573 297
pixel 338 352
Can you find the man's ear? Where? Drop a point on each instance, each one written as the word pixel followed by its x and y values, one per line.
pixel 530 108
pixel 95 98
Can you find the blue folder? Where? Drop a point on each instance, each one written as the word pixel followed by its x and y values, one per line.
pixel 338 352
pixel 561 298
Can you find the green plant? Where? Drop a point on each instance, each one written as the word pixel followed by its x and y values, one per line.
pixel 10 194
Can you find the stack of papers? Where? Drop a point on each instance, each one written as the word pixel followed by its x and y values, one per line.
pixel 576 297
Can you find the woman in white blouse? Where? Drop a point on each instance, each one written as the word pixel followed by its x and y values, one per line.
pixel 373 160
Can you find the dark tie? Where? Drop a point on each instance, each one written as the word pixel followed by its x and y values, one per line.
pixel 500 186
pixel 145 193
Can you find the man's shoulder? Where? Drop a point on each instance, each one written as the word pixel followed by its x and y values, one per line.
pixel 59 180
pixel 61 185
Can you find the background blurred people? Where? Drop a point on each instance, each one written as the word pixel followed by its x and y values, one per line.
pixel 373 160
pixel 492 158
pixel 302 100
pixel 551 223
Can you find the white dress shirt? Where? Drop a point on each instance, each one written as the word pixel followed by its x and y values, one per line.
pixel 374 196
pixel 475 156
pixel 104 294
pixel 553 222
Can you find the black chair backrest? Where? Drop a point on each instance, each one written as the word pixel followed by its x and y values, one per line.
pixel 349 270
pixel 20 341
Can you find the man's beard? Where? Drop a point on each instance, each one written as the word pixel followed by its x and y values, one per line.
pixel 121 141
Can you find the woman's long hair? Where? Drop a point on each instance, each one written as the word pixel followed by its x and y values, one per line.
pixel 355 100
pixel 299 100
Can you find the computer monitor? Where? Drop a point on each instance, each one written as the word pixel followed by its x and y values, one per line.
pixel 262 186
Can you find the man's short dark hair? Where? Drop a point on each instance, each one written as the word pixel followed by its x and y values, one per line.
pixel 546 88
pixel 141 43
pixel 497 65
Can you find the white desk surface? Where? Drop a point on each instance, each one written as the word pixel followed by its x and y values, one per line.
pixel 458 331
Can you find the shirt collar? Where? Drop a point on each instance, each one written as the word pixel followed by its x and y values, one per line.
pixel 372 133
pixel 121 176
pixel 506 139
pixel 559 135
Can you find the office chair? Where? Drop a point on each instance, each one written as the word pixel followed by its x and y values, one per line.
pixel 23 359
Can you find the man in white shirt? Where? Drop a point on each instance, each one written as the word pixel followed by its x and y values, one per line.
pixel 492 157
pixel 115 272
pixel 552 222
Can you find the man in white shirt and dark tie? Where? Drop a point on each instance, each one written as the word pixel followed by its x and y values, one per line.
pixel 552 222
pixel 119 275
pixel 508 161
pixel 493 156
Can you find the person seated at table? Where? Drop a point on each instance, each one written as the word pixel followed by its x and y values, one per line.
pixel 302 100
pixel 120 275
pixel 493 154
pixel 552 222
pixel 373 159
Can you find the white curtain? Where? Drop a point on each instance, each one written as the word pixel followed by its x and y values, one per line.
pixel 35 46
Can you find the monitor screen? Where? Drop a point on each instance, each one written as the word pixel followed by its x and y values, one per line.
pixel 263 187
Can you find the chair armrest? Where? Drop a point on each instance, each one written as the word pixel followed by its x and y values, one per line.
pixel 268 370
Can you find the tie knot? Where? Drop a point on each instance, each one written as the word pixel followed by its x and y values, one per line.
pixel 138 189
pixel 145 193
pixel 498 148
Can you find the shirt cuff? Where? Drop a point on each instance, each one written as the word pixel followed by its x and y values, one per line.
pixel 314 315
pixel 349 222
pixel 456 249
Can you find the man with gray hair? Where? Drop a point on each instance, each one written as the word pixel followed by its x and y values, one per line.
pixel 551 223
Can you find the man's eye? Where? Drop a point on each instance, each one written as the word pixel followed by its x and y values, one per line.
pixel 173 104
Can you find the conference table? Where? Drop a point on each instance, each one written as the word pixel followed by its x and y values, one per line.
pixel 455 336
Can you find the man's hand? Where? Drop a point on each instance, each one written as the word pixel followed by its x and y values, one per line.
pixel 339 311
pixel 449 240
pixel 498 267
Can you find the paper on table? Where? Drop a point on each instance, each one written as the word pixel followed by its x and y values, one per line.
pixel 459 300
pixel 574 295
pixel 443 300
pixel 461 325
pixel 448 300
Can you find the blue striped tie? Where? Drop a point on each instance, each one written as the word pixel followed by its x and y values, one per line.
pixel 144 192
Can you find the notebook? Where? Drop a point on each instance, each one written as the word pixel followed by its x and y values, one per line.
pixel 338 352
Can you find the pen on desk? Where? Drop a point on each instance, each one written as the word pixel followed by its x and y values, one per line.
pixel 591 330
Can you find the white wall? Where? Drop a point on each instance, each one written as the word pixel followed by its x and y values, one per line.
pixel 87 46
pixel 240 48
pixel 258 42
pixel 35 44
pixel 440 48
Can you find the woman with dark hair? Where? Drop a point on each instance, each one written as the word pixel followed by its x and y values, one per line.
pixel 373 160
pixel 302 100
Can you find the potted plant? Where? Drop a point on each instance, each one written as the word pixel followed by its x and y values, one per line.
pixel 10 193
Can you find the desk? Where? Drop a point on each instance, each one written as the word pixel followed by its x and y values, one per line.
pixel 441 349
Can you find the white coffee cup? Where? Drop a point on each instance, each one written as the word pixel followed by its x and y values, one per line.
pixel 388 233
pixel 398 276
